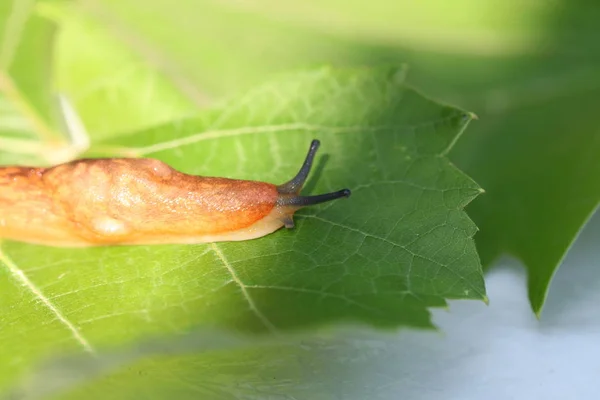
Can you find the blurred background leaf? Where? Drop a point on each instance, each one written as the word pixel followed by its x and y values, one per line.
pixel 274 371
pixel 28 123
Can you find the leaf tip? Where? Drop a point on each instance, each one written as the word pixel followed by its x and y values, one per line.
pixel 471 115
pixel 537 309
pixel 486 300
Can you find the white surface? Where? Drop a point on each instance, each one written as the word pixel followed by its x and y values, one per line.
pixel 500 351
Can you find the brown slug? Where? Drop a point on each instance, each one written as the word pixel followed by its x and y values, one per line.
pixel 118 201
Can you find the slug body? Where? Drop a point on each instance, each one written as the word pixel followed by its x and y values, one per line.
pixel 95 202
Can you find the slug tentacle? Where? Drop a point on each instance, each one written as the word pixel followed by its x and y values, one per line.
pixel 302 201
pixel 294 185
pixel 289 198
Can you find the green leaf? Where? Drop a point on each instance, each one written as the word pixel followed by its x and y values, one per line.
pixel 401 244
pixel 532 78
pixel 541 185
pixel 536 145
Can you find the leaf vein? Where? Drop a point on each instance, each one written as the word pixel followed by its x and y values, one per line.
pixel 21 277
pixel 243 288
pixel 403 247
pixel 221 133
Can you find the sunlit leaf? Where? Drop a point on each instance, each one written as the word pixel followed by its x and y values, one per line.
pixel 401 244
pixel 532 78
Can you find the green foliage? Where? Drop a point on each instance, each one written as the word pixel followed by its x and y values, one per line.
pixel 400 245
pixel 531 76
pixel 148 78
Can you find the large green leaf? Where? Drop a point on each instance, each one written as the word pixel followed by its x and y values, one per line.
pixel 401 244
pixel 531 76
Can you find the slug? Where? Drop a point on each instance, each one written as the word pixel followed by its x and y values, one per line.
pixel 134 201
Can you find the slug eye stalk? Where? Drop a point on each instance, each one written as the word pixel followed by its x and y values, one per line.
pixel 294 185
pixel 290 191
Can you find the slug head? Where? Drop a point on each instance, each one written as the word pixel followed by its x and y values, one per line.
pixel 289 192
